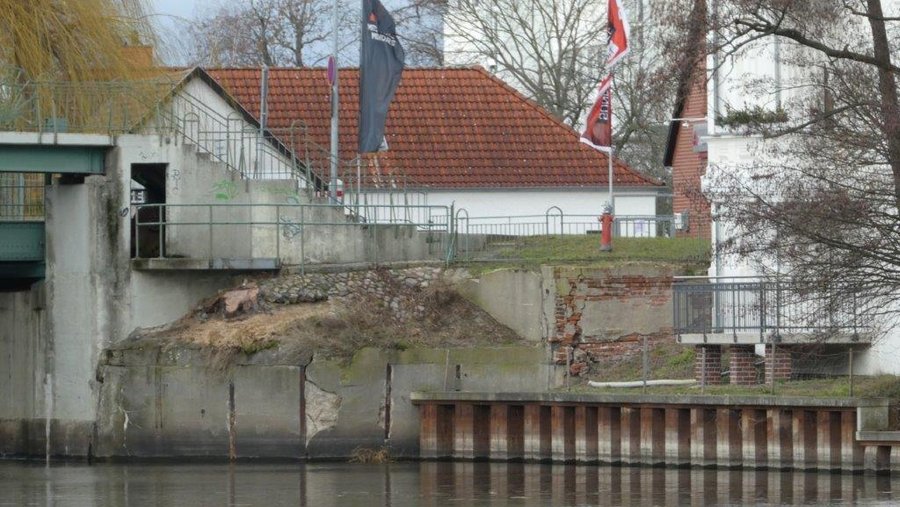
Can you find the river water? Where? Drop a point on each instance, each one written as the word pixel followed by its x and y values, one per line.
pixel 432 484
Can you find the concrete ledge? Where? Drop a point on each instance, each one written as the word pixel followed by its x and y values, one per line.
pixel 294 269
pixel 641 399
pixel 785 339
pixel 190 264
pixel 879 437
pixel 60 139
pixel 720 339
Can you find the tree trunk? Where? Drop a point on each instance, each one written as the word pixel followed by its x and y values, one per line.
pixel 887 87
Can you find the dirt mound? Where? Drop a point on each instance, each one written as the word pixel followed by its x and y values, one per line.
pixel 241 321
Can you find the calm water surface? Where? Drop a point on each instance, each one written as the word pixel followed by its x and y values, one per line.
pixel 435 484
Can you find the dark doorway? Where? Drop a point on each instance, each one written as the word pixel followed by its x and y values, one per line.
pixel 148 195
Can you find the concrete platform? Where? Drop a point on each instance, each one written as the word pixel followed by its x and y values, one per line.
pixel 729 338
pixel 879 437
pixel 218 264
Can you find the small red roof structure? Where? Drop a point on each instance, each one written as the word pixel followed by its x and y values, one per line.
pixel 448 128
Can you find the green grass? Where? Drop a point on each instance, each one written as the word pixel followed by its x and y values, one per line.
pixel 665 361
pixel 674 361
pixel 535 250
pixel 881 386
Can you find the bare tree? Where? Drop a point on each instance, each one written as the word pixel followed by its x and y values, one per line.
pixel 820 197
pixel 554 52
pixel 298 32
pixel 420 27
pixel 261 32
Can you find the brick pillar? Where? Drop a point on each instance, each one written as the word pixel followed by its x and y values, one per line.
pixel 741 365
pixel 713 364
pixel 780 363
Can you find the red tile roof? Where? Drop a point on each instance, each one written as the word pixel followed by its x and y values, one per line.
pixel 447 128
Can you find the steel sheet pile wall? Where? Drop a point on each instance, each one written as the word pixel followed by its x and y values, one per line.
pixel 646 430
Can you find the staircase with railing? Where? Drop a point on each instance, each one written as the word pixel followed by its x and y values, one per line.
pixel 162 106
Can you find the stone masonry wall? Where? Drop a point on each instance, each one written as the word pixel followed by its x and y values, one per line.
pixel 391 286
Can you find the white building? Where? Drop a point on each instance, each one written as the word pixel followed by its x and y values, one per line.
pixel 769 81
pixel 460 136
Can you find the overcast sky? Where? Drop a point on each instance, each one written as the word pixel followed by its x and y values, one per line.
pixel 173 19
pixel 180 8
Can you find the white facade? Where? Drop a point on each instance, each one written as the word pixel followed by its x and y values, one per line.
pixel 734 85
pixel 526 211
pixel 515 202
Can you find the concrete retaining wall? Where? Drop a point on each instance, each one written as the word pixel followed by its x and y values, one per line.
pixel 23 352
pixel 171 403
pixel 513 297
pixel 598 312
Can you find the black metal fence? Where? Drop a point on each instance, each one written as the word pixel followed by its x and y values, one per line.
pixel 763 306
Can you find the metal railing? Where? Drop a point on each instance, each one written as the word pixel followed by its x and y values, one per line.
pixel 644 226
pixel 21 197
pixel 555 222
pixel 770 307
pixel 296 234
pixel 153 106
pixel 479 236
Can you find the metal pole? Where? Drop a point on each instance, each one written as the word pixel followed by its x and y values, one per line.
pixel 210 231
pixel 611 207
pixel 335 106
pixel 358 182
pixel 851 371
pixel 772 363
pixel 159 220
pixel 263 118
pixel 646 361
pixel 611 150
pixel 703 369
pixel 137 232
pixel 302 245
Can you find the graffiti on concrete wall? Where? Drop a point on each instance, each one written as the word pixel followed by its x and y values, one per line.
pixel 224 190
pixel 290 229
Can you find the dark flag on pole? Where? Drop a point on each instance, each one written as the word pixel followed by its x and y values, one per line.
pixel 598 131
pixel 381 61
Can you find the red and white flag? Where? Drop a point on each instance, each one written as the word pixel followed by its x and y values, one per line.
pixel 617 34
pixel 598 130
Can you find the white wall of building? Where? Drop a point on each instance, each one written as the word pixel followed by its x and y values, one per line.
pixel 514 202
pixel 731 152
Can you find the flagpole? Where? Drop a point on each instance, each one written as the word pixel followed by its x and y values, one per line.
pixel 611 144
pixel 610 178
pixel 335 106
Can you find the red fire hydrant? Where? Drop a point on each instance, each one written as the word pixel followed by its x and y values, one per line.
pixel 606 227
